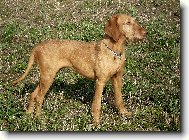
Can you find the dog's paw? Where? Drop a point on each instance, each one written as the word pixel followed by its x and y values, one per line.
pixel 29 111
pixel 125 113
pixel 93 127
pixel 14 83
pixel 96 123
pixel 129 113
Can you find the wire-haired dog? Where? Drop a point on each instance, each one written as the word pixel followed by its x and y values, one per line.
pixel 102 61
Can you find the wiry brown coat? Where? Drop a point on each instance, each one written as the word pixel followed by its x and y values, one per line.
pixel 102 61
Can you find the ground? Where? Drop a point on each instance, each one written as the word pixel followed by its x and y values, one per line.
pixel 152 72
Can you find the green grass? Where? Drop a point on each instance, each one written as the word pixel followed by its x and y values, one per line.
pixel 152 72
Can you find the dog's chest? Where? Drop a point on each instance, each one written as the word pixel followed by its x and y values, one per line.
pixel 109 63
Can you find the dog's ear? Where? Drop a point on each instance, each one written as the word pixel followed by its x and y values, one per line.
pixel 112 28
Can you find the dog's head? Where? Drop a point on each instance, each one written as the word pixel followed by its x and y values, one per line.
pixel 124 25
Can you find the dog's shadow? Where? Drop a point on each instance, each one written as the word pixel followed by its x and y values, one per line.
pixel 82 90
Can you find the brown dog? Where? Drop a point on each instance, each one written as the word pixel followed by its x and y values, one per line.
pixel 102 60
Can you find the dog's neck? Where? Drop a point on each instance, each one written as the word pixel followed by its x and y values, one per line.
pixel 115 46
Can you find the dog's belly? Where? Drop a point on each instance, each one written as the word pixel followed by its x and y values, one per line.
pixel 84 69
pixel 82 59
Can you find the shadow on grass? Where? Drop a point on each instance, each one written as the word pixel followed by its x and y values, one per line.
pixel 83 90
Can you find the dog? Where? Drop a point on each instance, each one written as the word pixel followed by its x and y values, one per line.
pixel 102 61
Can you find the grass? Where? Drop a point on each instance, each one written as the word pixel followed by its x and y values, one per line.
pixel 152 73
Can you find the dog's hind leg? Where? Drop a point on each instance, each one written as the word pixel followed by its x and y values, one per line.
pixel 46 80
pixel 32 97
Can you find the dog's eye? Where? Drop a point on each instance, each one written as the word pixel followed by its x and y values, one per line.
pixel 128 23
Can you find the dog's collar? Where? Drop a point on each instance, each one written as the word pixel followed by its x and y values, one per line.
pixel 119 55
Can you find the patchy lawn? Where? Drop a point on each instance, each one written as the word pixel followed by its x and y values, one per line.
pixel 152 73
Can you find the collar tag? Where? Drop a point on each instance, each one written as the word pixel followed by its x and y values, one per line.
pixel 119 55
pixel 114 53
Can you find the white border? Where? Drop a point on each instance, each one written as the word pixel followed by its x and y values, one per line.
pixel 185 69
pixel 184 135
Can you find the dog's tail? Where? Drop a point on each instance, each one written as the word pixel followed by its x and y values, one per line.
pixel 30 63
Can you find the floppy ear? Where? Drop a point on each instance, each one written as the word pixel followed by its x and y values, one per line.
pixel 112 29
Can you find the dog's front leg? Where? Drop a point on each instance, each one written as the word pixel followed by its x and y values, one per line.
pixel 96 104
pixel 117 84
